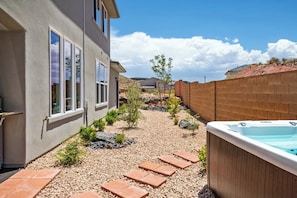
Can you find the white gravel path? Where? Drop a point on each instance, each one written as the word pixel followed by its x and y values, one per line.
pixel 155 135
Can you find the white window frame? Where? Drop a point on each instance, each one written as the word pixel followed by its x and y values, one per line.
pixel 105 21
pixel 100 83
pixel 102 18
pixel 62 98
pixel 60 71
pixel 98 12
pixel 81 78
pixel 64 75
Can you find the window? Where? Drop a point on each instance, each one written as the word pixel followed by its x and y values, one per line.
pixel 97 14
pixel 68 75
pixel 55 67
pixel 105 21
pixel 101 16
pixel 101 83
pixel 66 80
pixel 78 79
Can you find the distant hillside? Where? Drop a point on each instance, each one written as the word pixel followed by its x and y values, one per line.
pixel 125 82
pixel 260 69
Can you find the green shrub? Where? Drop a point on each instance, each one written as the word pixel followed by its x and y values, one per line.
pixel 172 105
pixel 88 134
pixel 195 125
pixel 120 138
pixel 122 109
pixel 99 124
pixel 110 120
pixel 111 117
pixel 175 121
pixel 71 154
pixel 202 156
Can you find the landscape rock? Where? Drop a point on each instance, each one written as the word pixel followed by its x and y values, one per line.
pixel 107 141
pixel 206 192
pixel 185 124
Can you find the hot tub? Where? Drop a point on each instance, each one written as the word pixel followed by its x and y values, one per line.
pixel 252 158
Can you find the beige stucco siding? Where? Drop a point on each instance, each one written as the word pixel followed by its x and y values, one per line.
pixel 25 73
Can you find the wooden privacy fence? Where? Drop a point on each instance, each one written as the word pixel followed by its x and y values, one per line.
pixel 265 97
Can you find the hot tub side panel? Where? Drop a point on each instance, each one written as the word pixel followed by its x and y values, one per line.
pixel 234 172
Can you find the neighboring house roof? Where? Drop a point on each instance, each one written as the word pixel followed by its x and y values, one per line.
pixel 255 70
pixel 149 82
pixel 237 69
pixel 117 66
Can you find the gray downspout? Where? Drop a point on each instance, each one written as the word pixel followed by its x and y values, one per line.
pixel 84 67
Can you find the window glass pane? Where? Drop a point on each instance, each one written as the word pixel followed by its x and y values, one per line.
pixel 105 22
pixel 97 72
pixel 105 93
pixel 97 93
pixel 55 72
pixel 68 74
pixel 78 79
pixel 102 73
pixel 102 93
pixel 97 12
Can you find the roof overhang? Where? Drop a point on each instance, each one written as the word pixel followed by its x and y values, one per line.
pixel 112 8
pixel 7 23
pixel 117 66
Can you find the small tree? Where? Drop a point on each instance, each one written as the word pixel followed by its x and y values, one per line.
pixel 162 69
pixel 133 105
pixel 172 105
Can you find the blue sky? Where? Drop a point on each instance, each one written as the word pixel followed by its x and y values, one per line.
pixel 205 38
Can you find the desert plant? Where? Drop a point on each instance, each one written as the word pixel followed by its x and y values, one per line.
pixel 99 124
pixel 193 120
pixel 122 109
pixel 134 103
pixel 71 154
pixel 175 121
pixel 88 134
pixel 202 156
pixel 111 117
pixel 172 105
pixel 120 138
pixel 162 68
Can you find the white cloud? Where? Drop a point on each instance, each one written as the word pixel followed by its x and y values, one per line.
pixel 193 58
pixel 236 40
pixel 283 48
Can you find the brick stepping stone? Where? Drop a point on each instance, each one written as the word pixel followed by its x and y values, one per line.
pixel 89 194
pixel 187 156
pixel 124 189
pixel 146 178
pixel 174 161
pixel 27 183
pixel 158 168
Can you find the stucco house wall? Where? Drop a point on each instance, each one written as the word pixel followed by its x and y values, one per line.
pixel 25 73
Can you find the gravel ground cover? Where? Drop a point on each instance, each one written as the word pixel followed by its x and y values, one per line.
pixel 155 135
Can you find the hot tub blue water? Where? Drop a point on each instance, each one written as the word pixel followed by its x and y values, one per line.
pixel 286 143
pixel 273 141
pixel 278 134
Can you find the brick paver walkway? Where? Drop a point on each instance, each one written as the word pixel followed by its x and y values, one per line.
pixel 183 160
pixel 146 178
pixel 158 168
pixel 28 183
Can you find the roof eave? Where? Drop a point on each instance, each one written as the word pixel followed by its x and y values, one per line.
pixel 117 66
pixel 112 8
